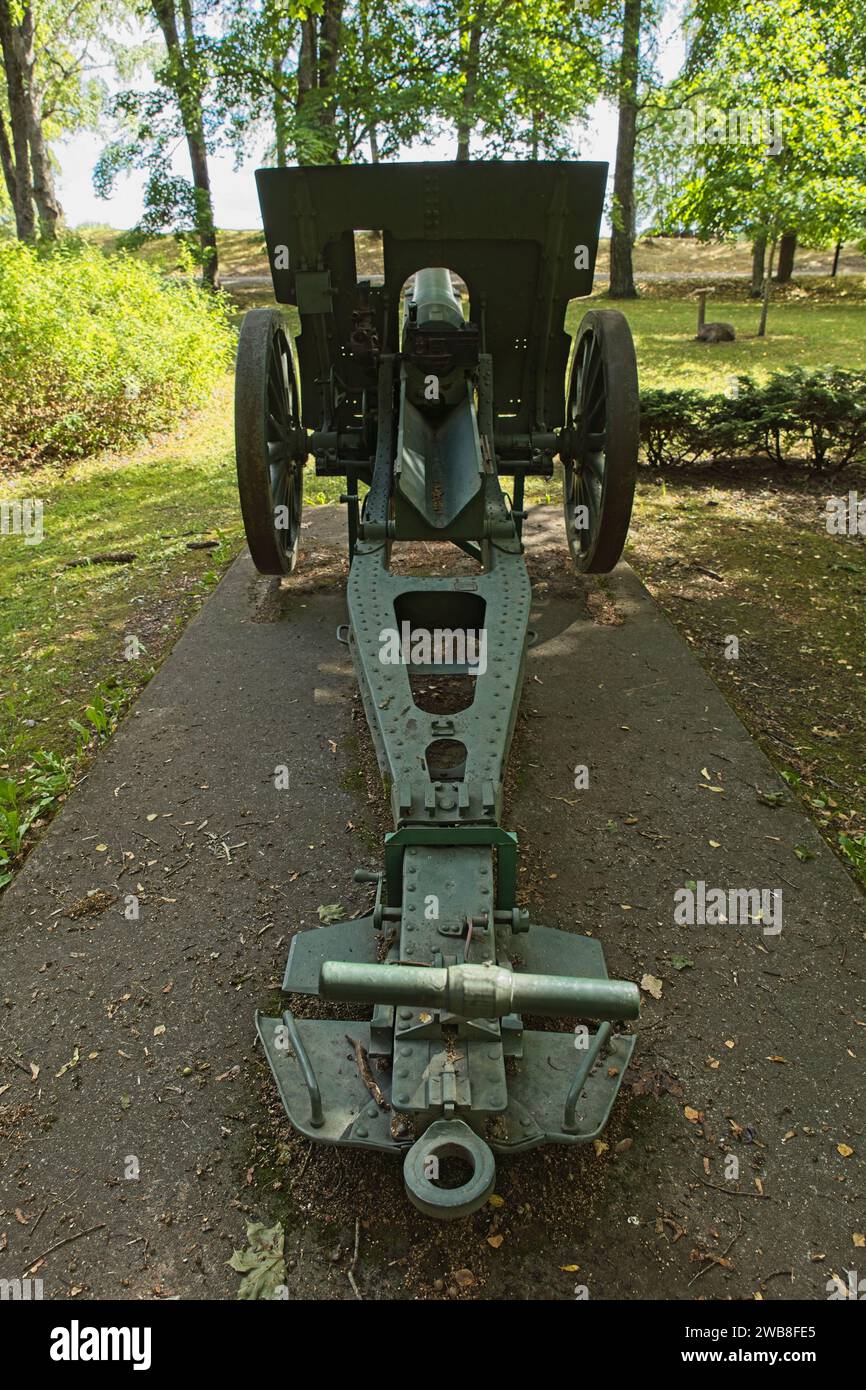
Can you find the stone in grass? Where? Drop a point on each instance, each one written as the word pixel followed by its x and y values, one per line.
pixel 716 333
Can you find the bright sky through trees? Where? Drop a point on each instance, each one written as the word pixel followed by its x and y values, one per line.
pixel 236 205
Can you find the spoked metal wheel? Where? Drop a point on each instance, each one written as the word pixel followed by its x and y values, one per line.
pixel 599 443
pixel 270 442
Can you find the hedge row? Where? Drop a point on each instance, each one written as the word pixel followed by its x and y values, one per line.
pixel 817 416
pixel 97 351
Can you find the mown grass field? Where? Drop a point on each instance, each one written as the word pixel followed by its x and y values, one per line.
pixel 794 593
pixel 801 333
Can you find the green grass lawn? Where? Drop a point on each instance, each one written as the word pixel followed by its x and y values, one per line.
pixel 240 253
pixel 800 333
pixel 64 631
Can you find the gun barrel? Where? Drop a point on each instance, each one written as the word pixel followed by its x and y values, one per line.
pixel 434 300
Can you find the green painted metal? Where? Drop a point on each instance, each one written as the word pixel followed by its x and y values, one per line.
pixel 459 836
pixel 479 991
pixel 446 1139
pixel 434 303
pixel 430 407
pixel 522 254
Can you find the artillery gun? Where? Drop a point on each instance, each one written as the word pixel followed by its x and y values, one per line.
pixel 426 412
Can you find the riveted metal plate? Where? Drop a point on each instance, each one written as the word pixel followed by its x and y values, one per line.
pixel 539 1084
pixel 548 951
pixel 432 1078
pixel 347 1106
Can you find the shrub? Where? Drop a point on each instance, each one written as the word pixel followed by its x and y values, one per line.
pixel 756 420
pixel 822 412
pixel 672 426
pixel 97 351
pixel 831 405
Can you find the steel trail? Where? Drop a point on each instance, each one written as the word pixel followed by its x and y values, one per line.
pixel 429 411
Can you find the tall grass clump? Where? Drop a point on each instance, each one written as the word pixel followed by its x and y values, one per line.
pixel 97 351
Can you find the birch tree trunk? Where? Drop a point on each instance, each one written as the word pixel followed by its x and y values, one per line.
pixel 765 301
pixel 759 254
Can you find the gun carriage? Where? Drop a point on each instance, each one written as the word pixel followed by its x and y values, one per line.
pixel 428 412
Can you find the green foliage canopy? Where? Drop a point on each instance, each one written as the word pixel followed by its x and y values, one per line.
pixel 781 63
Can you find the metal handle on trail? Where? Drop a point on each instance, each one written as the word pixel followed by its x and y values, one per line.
pixel 479 991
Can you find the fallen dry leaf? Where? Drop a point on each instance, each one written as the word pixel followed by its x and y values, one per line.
pixel 261 1263
pixel 652 985
pixel 73 1062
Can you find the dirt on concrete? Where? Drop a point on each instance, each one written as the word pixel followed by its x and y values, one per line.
pixel 139 1127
